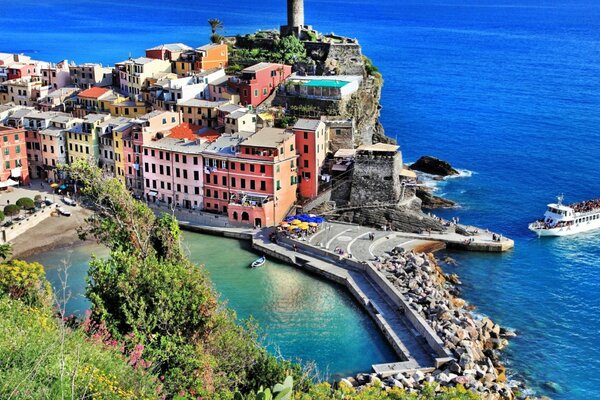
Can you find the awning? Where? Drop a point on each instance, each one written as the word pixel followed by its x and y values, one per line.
pixel 339 167
pixel 153 193
pixel 7 183
pixel 345 153
pixel 408 173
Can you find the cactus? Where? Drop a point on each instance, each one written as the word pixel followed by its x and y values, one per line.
pixel 284 391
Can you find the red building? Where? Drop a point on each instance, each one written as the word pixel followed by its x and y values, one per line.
pixel 251 178
pixel 14 155
pixel 311 143
pixel 19 70
pixel 170 52
pixel 257 83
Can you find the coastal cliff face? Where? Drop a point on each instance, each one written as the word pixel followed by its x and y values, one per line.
pixel 365 108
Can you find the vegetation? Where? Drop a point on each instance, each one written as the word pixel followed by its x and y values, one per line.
pixel 215 25
pixel 289 50
pixel 5 251
pixel 2 216
pixel 148 294
pixel 371 69
pixel 252 49
pixel 11 210
pixel 26 203
pixel 41 357
pixel 37 199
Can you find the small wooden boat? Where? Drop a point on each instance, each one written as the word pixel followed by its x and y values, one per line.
pixel 259 262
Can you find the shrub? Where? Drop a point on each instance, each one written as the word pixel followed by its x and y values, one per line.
pixel 2 216
pixel 12 209
pixel 25 281
pixel 26 203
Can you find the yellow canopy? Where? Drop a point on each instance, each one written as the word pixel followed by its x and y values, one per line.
pixel 54 185
pixel 313 224
pixel 296 222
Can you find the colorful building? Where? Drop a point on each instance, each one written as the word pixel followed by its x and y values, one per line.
pixel 83 141
pixel 25 91
pixel 93 100
pixel 311 144
pixel 240 120
pixel 56 75
pixel 203 113
pixel 111 133
pixel 135 72
pixel 85 76
pixel 173 167
pixel 252 177
pixel 13 163
pixel 212 55
pixel 171 51
pixel 54 145
pixel 256 83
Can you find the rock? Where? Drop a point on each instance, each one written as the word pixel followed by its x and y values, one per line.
pixel 429 200
pixel 346 383
pixel 462 380
pixel 553 387
pixel 418 376
pixel 433 166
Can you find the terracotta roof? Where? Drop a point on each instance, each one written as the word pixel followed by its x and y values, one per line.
pixel 93 92
pixel 184 131
pixel 209 134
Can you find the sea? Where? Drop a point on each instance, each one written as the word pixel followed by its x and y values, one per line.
pixel 508 91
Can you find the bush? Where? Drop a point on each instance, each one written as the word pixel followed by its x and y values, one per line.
pixel 12 209
pixel 2 216
pixel 26 203
pixel 38 199
pixel 25 281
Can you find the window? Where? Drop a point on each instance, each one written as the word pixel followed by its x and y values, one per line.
pixel 243 183
pixel 251 167
pixel 179 187
pixel 292 180
pixel 305 149
pixel 242 167
pixel 215 179
pixel 305 135
pixel 232 165
pixel 195 160
pixel 208 193
pixel 196 190
pixel 176 157
pixel 224 181
pixel 278 185
pixel 196 175
pixel 168 171
pixel 263 185
pixel 232 182
pixel 185 174
pixel 255 92
pixel 265 91
pixel 161 170
pixel 292 147
pixel 16 136
pixel 168 156
pixel 17 149
pixel 252 184
pixel 262 169
pixel 7 164
pixel 177 172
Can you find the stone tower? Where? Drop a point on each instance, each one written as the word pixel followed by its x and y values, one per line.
pixel 295 13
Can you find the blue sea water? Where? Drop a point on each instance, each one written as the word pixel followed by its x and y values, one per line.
pixel 507 89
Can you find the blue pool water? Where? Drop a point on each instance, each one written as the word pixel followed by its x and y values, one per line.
pixel 507 89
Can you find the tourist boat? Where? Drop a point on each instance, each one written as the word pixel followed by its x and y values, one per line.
pixel 259 262
pixel 562 220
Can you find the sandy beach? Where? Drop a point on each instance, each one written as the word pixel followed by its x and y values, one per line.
pixel 55 232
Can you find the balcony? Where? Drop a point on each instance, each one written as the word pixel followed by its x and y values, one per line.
pixel 246 199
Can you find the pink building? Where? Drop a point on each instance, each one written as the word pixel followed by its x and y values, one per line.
pixel 173 168
pixel 56 75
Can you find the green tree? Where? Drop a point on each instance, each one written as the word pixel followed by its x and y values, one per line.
pixel 11 210
pixel 289 50
pixel 148 292
pixel 5 251
pixel 26 203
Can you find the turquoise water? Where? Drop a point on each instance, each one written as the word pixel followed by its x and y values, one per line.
pixel 302 317
pixel 507 89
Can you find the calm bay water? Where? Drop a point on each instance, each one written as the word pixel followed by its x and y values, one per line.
pixel 302 317
pixel 508 90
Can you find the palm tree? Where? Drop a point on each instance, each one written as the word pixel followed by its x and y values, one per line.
pixel 5 251
pixel 215 24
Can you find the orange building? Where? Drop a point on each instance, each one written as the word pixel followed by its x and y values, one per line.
pixel 213 55
pixel 13 153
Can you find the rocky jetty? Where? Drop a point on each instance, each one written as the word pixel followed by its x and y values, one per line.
pixel 433 166
pixel 473 342
pixel 429 200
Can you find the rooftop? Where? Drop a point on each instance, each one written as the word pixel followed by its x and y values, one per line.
pixel 139 60
pixel 260 66
pixel 229 108
pixel 238 114
pixel 326 83
pixel 378 147
pixel 177 145
pixel 226 143
pixel 93 92
pixel 304 124
pixel 184 131
pixel 208 46
pixel 202 103
pixel 172 47
pixel 268 137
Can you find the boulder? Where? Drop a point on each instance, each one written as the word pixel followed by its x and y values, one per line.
pixel 429 200
pixel 433 166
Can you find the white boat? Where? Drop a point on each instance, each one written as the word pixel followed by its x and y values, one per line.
pixel 259 262
pixel 562 220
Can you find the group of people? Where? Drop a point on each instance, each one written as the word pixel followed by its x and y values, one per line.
pixel 586 206
pixel 496 238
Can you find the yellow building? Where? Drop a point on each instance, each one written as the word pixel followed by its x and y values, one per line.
pixel 82 140
pixel 123 107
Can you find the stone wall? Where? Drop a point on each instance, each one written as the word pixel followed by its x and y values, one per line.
pixel 376 179
pixel 19 227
